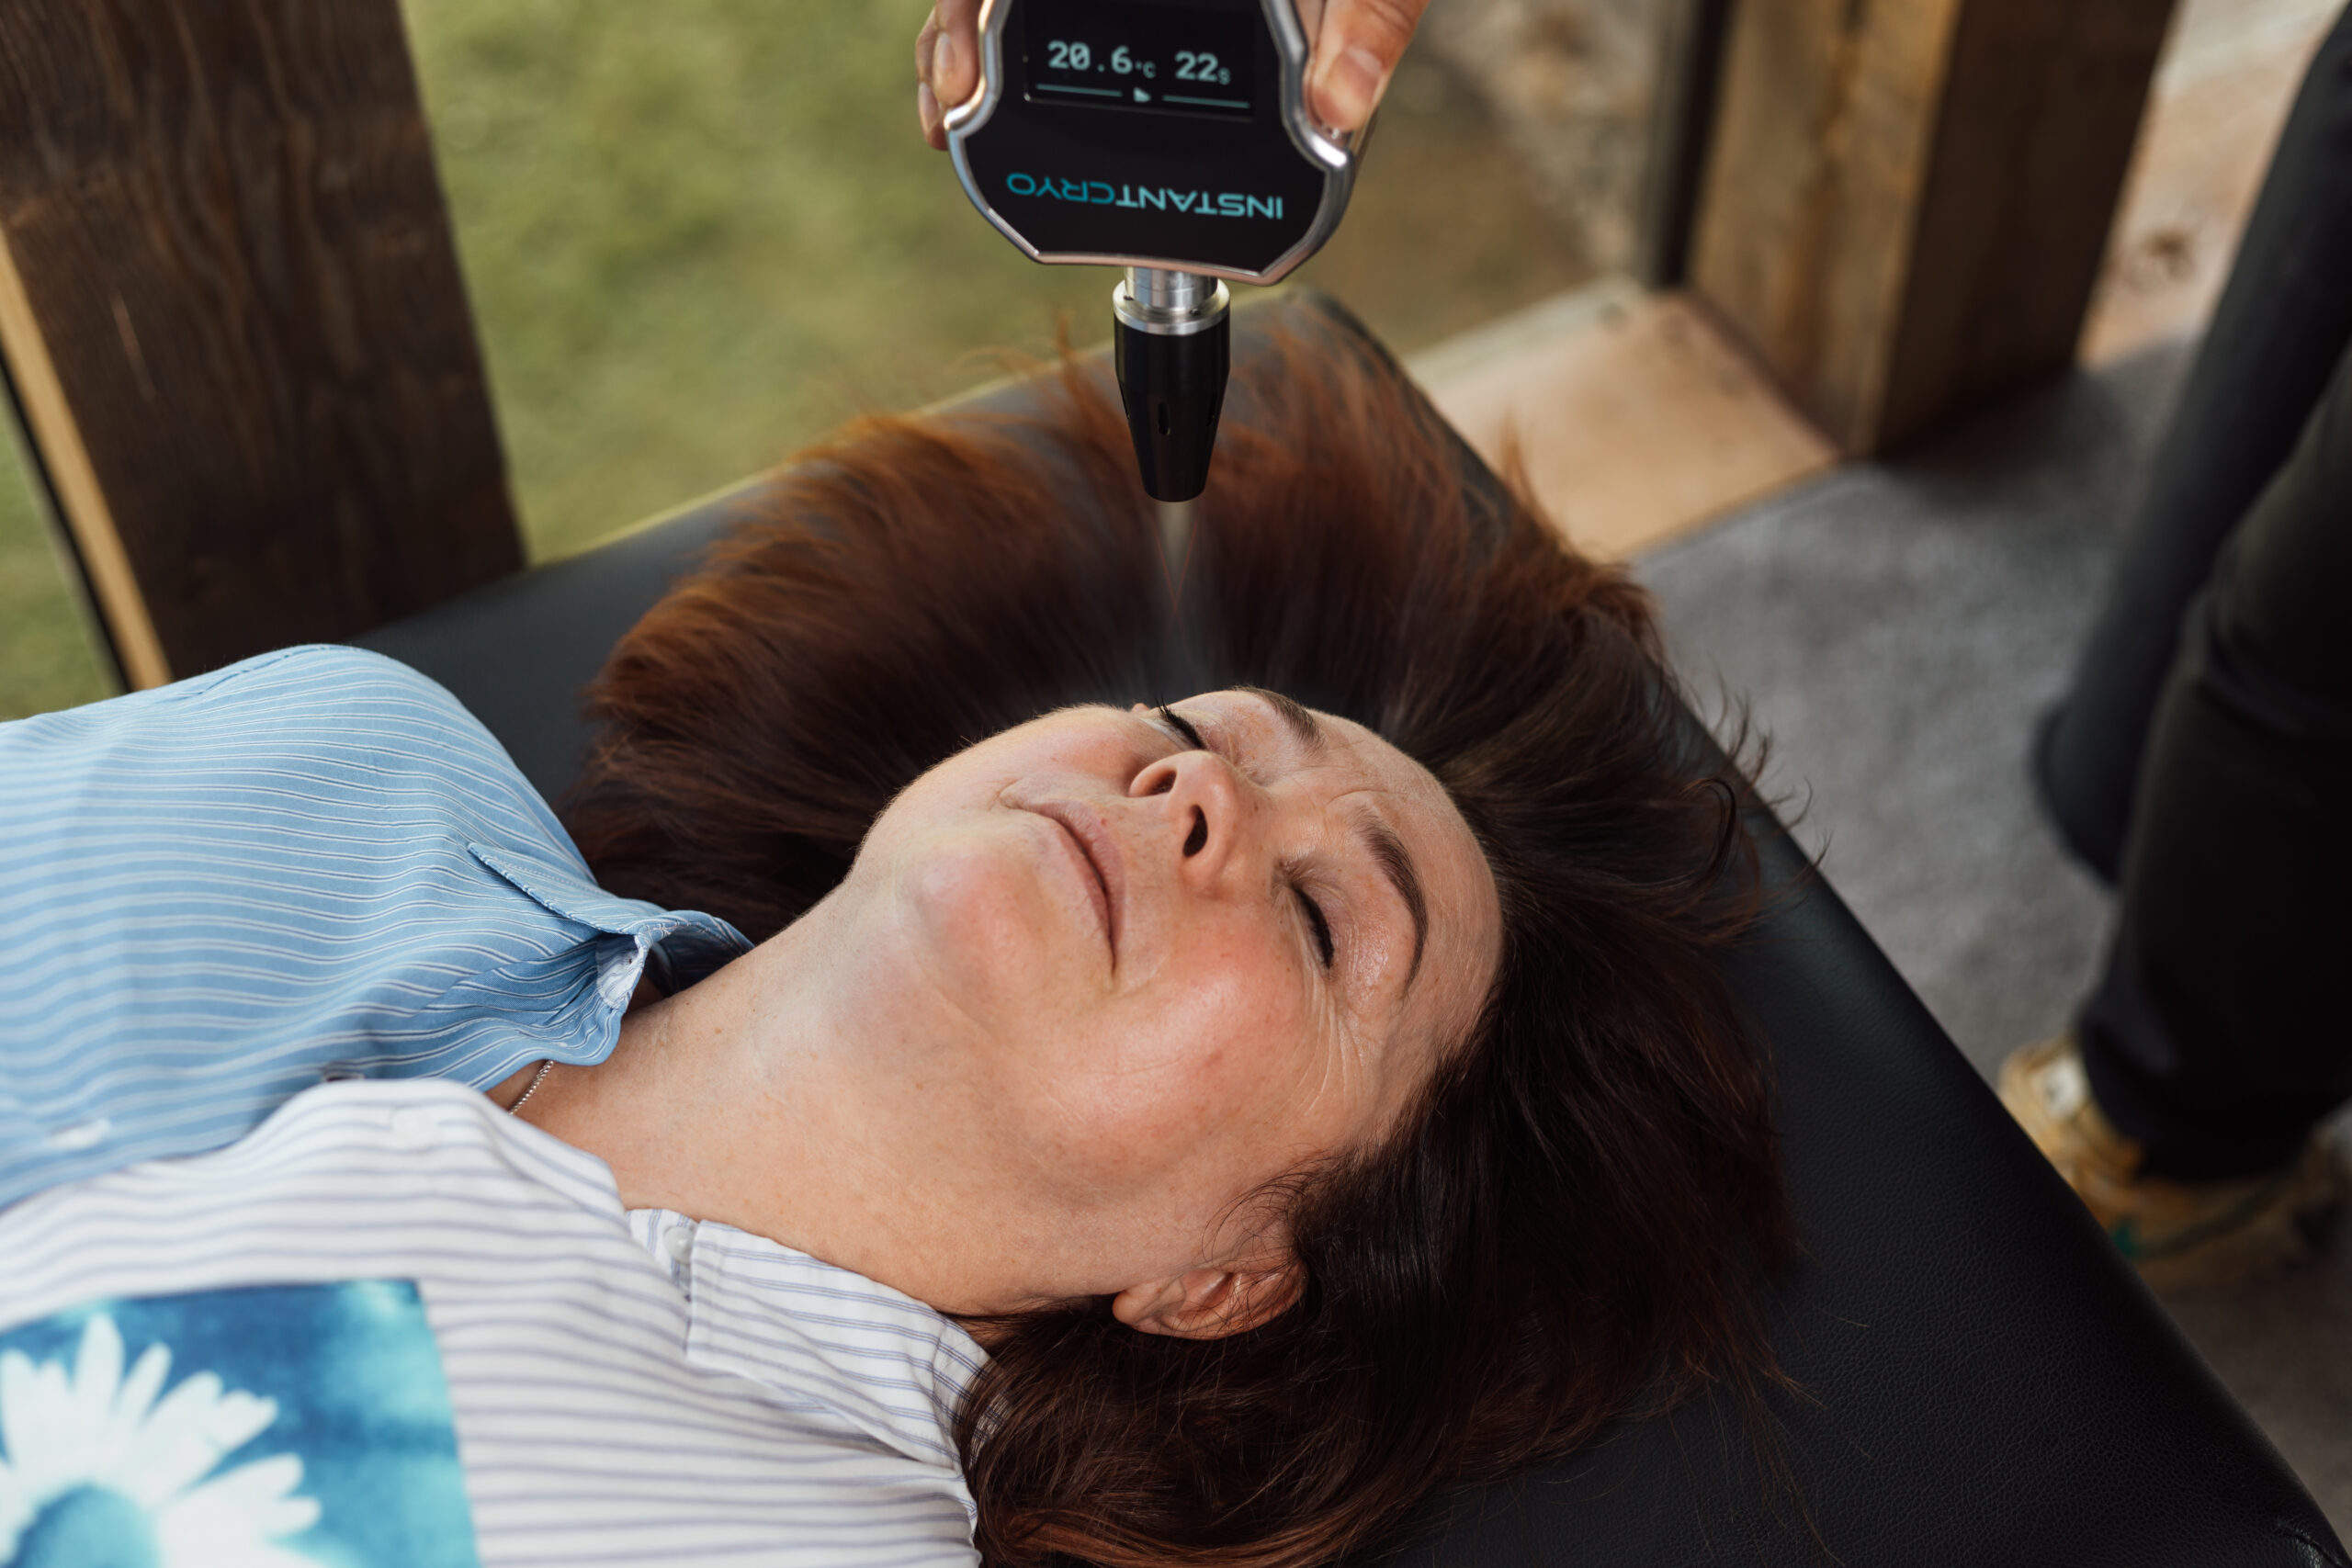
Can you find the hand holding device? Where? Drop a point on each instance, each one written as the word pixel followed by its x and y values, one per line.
pixel 1172 137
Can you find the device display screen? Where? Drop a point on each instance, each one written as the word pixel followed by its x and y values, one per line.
pixel 1164 59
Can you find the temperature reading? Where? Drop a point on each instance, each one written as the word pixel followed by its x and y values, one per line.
pixel 1139 54
pixel 1190 67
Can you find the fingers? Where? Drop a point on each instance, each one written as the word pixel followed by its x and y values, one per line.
pixel 926 101
pixel 955 53
pixel 948 65
pixel 1356 52
pixel 934 126
pixel 923 41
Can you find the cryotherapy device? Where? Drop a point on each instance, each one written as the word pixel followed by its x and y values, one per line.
pixel 1171 137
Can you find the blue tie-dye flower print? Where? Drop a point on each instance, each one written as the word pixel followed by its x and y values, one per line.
pixel 277 1427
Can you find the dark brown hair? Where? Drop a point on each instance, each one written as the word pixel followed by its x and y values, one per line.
pixel 1578 1212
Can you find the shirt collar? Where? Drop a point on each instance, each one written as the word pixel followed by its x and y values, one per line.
pixel 683 946
pixel 874 1356
pixel 810 1333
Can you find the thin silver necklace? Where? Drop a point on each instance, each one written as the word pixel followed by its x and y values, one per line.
pixel 533 1086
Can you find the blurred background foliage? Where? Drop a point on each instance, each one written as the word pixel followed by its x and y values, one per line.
pixel 698 234
pixel 47 657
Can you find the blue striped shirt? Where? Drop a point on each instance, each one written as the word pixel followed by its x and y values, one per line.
pixel 314 864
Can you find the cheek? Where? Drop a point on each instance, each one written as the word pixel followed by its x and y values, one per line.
pixel 1203 1082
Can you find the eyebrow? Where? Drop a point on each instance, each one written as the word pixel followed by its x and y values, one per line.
pixel 1295 715
pixel 1388 851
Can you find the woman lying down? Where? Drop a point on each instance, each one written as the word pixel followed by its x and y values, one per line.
pixel 966 1096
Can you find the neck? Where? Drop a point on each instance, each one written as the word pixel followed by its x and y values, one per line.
pixel 749 1100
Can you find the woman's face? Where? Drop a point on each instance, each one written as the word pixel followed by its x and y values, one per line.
pixel 1158 959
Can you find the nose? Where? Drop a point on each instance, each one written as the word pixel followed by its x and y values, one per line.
pixel 1209 814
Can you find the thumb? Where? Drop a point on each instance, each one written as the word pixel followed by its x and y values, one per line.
pixel 1356 51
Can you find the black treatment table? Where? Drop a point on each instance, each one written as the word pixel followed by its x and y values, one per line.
pixel 1985 1380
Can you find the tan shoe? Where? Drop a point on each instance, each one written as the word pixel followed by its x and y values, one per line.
pixel 2174 1233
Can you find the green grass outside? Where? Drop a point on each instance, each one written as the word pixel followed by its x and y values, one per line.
pixel 47 660
pixel 698 234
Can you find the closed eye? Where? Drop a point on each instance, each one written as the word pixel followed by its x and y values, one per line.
pixel 1183 727
pixel 1316 920
pixel 1322 927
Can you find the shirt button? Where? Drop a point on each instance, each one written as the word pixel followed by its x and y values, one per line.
pixel 680 1243
pixel 412 1127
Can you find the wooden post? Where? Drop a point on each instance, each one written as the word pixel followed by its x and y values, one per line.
pixel 1690 74
pixel 231 310
pixel 1906 201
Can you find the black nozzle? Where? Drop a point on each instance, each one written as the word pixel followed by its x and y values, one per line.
pixel 1173 385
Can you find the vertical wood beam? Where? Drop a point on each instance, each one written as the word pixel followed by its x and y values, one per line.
pixel 1690 36
pixel 230 303
pixel 1906 201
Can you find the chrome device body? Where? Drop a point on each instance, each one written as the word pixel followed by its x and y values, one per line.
pixel 1171 303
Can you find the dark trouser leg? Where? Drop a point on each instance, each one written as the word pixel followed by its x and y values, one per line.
pixel 2278 328
pixel 2222 1028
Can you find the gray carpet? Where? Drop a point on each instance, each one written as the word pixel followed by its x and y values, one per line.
pixel 1893 629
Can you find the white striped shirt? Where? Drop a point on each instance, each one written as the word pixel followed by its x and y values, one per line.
pixel 624 1388
pixel 312 864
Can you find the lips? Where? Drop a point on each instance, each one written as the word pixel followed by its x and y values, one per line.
pixel 1099 852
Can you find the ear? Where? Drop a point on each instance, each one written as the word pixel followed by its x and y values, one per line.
pixel 1209 1303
